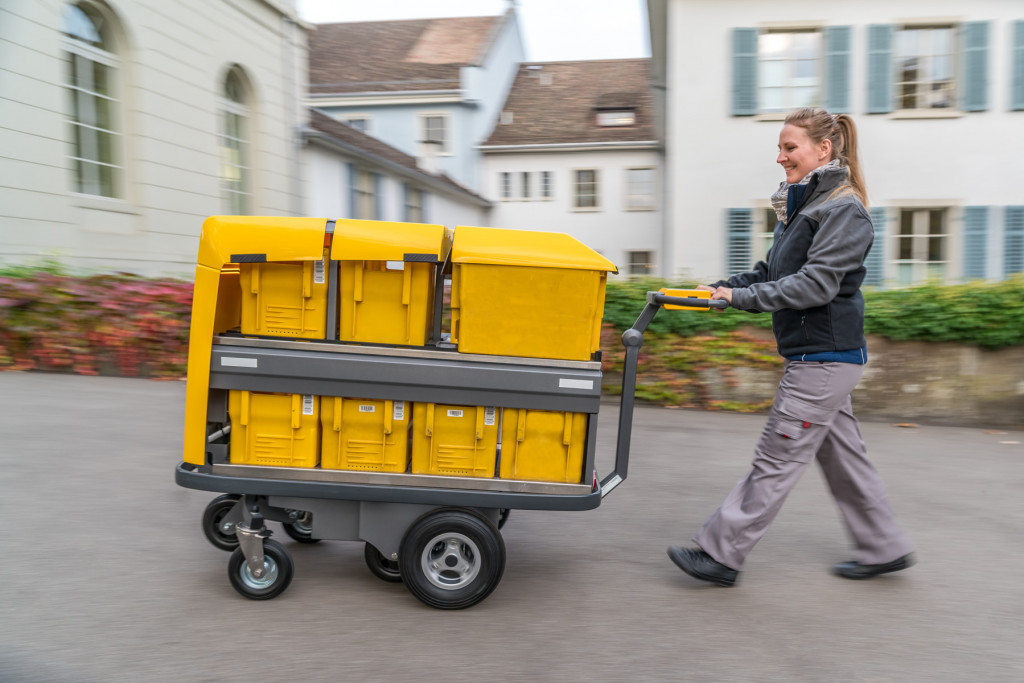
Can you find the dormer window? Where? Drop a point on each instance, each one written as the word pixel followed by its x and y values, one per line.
pixel 616 117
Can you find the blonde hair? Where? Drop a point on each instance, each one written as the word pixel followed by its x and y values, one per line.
pixel 842 133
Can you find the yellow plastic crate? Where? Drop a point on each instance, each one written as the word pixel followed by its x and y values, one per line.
pixel 280 430
pixel 284 299
pixel 386 280
pixel 525 293
pixel 454 440
pixel 364 434
pixel 542 445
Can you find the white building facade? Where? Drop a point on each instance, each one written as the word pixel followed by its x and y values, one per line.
pixel 935 87
pixel 127 122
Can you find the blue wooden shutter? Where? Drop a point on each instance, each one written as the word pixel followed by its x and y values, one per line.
pixel 975 241
pixel 837 69
pixel 378 199
pixel 875 262
pixel 879 69
pixel 744 71
pixel 975 81
pixel 352 180
pixel 423 206
pixel 737 249
pixel 1017 95
pixel 1013 236
pixel 405 202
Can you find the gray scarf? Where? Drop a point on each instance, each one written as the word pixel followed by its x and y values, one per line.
pixel 781 196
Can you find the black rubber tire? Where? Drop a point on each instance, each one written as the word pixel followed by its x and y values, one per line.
pixel 503 514
pixel 451 559
pixel 212 516
pixel 302 530
pixel 279 567
pixel 380 566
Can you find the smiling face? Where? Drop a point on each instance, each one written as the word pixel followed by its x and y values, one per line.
pixel 798 155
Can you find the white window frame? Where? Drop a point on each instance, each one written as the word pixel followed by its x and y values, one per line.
pixel 424 134
pixel 913 251
pixel 348 118
pixel 639 268
pixel 505 185
pixel 576 189
pixel 951 85
pixel 632 200
pixel 764 235
pixel 365 195
pixel 547 186
pixel 525 185
pixel 612 118
pixel 789 65
pixel 90 53
pixel 236 150
pixel 413 212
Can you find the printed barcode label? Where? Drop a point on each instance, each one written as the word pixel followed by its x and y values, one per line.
pixel 399 410
pixel 318 272
pixel 489 416
pixel 454 413
pixel 307 404
pixel 367 409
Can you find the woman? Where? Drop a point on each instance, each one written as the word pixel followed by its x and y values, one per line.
pixel 811 285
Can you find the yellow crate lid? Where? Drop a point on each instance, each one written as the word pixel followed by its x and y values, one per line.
pixel 359 240
pixel 498 246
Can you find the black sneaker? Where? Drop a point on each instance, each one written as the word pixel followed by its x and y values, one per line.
pixel 700 565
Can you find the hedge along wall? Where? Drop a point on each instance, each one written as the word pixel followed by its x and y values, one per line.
pixel 963 353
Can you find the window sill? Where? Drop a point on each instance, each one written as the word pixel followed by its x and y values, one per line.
pixel 927 114
pixel 586 209
pixel 774 117
pixel 641 208
pixel 98 203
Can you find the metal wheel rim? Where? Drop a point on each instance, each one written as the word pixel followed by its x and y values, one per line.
pixel 304 524
pixel 451 561
pixel 222 527
pixel 269 574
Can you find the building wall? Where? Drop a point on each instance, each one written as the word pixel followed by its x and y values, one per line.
pixel 718 161
pixel 611 229
pixel 173 61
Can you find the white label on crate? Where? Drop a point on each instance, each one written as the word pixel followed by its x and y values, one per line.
pixel 566 383
pixel 399 411
pixel 454 413
pixel 367 409
pixel 307 404
pixel 489 416
pixel 394 265
pixel 234 362
pixel 318 272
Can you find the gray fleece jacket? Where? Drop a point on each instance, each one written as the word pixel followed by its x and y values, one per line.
pixel 811 279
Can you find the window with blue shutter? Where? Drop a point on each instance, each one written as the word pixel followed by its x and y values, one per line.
pixel 378 203
pixel 737 254
pixel 1013 237
pixel 744 72
pixel 1017 94
pixel 879 69
pixel 975 242
pixel 975 80
pixel 837 69
pixel 424 199
pixel 875 262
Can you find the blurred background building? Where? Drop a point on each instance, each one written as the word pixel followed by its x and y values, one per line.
pixel 124 123
pixel 936 88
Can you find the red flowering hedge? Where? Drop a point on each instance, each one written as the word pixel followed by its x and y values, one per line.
pixel 110 324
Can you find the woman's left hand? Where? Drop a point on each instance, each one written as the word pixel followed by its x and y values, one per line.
pixel 723 293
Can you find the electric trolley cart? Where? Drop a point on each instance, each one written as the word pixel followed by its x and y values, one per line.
pixel 525 426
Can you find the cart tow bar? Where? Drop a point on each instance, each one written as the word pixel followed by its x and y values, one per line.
pixel 633 339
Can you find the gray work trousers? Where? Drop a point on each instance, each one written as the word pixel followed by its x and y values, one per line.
pixel 811 417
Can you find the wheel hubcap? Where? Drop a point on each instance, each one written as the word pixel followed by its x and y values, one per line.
pixel 268 578
pixel 451 561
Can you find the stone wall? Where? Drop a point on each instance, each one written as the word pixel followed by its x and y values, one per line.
pixel 914 382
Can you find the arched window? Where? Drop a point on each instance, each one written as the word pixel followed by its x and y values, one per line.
pixel 234 145
pixel 92 77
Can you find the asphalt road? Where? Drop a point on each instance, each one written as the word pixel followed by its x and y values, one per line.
pixel 108 577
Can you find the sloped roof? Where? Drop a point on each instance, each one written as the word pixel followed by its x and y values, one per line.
pixel 369 146
pixel 388 56
pixel 557 102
